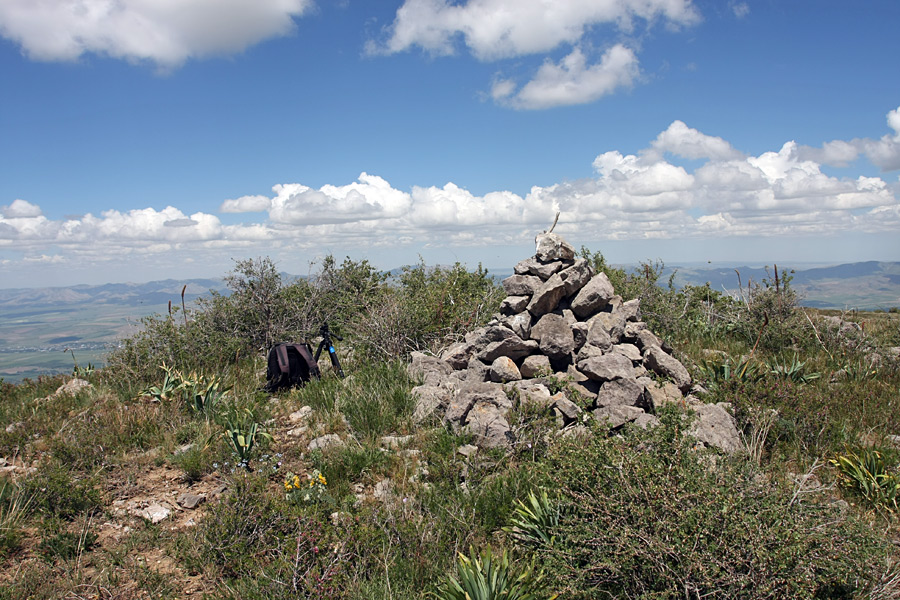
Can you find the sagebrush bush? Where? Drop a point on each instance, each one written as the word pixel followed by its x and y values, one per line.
pixel 647 516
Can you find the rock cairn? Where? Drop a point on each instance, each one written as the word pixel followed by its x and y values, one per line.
pixel 560 321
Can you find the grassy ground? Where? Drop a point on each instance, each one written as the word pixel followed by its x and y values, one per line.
pixel 640 515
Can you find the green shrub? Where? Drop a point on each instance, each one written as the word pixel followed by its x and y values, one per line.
pixel 57 493
pixel 66 545
pixel 646 516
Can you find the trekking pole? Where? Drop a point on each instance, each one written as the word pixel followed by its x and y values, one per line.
pixel 326 342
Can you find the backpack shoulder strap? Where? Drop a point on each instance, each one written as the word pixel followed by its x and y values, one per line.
pixel 303 350
pixel 284 364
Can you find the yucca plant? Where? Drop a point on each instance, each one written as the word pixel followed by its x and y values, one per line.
pixel 792 371
pixel 490 577
pixel 865 473
pixel 241 433
pixel 171 383
pixel 532 523
pixel 716 374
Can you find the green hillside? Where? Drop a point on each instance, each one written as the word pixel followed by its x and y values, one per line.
pixel 170 474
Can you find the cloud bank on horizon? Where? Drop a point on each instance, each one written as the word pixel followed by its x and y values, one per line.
pixel 635 196
pixel 682 184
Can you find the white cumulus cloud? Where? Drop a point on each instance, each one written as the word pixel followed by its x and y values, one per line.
pixel 166 32
pixel 883 152
pixel 572 80
pixel 20 208
pixel 494 29
pixel 781 192
pixel 501 29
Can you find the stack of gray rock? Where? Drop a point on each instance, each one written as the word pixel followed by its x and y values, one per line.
pixel 561 324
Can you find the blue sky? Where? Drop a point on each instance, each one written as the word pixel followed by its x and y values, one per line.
pixel 145 139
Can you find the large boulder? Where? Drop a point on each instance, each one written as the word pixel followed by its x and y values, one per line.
pixel 593 297
pixel 532 266
pixel 554 336
pixel 521 285
pixel 715 427
pixel 547 297
pixel 607 367
pixel 663 364
pixel 513 347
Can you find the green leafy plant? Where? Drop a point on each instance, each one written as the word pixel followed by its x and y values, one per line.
pixel 241 433
pixel 716 374
pixel 201 394
pixel 14 507
pixel 490 577
pixel 170 384
pixel 67 545
pixel 793 370
pixel 532 523
pixel 865 473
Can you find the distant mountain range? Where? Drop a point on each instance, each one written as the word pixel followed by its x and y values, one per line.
pixel 864 285
pixel 127 294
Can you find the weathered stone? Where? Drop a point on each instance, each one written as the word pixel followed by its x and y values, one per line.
pixel 155 512
pixel 568 409
pixel 631 310
pixel 430 370
pixel 593 297
pixel 429 398
pixel 395 442
pixel 485 335
pixel 554 336
pixel 520 324
pixel 579 334
pixel 514 304
pixel 662 364
pixel 629 351
pixel 535 365
pixel 300 415
pixel 547 297
pixel 551 247
pixel 191 501
pixel 581 384
pixel 576 276
pixel 588 351
pixel 503 369
pixel 613 323
pixel 656 396
pixel 607 367
pixel 645 338
pixel 477 371
pixel 489 426
pixel 514 347
pixel 71 387
pixel 715 427
pixel 521 285
pixel 326 441
pixel 620 392
pixel 458 355
pixel 531 392
pixel 598 336
pixel 476 393
pixel 532 266
pixel 618 414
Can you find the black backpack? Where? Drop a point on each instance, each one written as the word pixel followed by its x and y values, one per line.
pixel 290 365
